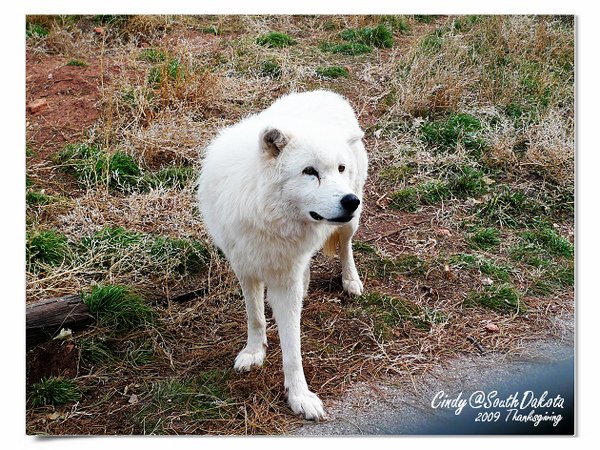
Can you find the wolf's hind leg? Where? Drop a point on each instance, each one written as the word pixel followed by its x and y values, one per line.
pixel 350 279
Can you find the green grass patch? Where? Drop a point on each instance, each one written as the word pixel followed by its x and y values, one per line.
pixel 46 248
pixel 96 350
pixel 138 353
pixel 205 397
pixel 552 278
pixel 111 19
pixel 270 69
pixel 380 36
pixel 464 24
pixel 410 265
pixel 530 255
pixel 405 265
pixel 484 238
pixel 211 29
pixel 35 30
pixel 465 181
pixel 448 133
pixel 53 391
pixel 34 198
pixel 168 71
pixel 424 18
pixel 159 254
pixel 118 308
pixel 332 72
pixel 363 247
pixel 405 200
pixel 550 241
pixel 77 63
pixel 153 55
pixel 348 49
pixel 510 207
pixel 396 23
pixel 433 192
pixel 396 174
pixel 275 39
pixel 170 177
pixel 432 43
pixel 483 265
pixel 95 167
pixel 503 298
pixel 388 312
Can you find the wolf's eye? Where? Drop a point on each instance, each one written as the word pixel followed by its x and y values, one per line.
pixel 311 171
pixel 341 168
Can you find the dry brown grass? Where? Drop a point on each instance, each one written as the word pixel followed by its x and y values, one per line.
pixel 486 67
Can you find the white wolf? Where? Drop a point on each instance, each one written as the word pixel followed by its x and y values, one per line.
pixel 274 189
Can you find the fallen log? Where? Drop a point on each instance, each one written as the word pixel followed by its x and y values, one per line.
pixel 44 319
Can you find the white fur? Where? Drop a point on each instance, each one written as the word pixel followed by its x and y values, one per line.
pixel 257 201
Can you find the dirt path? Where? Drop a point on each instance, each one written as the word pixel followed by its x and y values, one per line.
pixel 415 407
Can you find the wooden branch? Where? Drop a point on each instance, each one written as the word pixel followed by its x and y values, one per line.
pixel 44 319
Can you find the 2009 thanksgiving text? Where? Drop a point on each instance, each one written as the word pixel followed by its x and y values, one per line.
pixel 516 407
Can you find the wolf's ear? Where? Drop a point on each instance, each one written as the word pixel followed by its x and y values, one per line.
pixel 272 141
pixel 356 137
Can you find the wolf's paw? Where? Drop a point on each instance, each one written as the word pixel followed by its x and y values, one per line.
pixel 353 287
pixel 247 359
pixel 307 405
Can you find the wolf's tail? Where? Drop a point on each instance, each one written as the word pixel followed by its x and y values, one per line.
pixel 331 244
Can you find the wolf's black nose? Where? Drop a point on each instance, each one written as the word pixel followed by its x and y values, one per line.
pixel 350 202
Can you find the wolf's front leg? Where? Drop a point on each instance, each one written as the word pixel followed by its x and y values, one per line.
pixel 254 352
pixel 286 303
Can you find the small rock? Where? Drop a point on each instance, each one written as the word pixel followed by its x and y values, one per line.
pixel 55 415
pixel 99 30
pixel 133 399
pixel 36 106
pixel 492 327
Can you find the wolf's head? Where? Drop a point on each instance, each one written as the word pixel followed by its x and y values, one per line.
pixel 314 174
